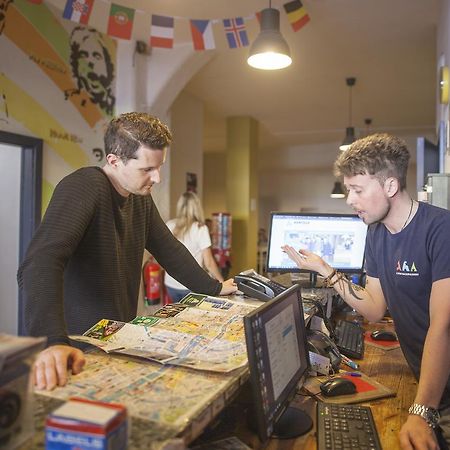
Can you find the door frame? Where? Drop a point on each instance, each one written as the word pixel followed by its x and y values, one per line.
pixel 30 196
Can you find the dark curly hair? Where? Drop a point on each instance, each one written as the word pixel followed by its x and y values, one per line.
pixel 380 155
pixel 127 132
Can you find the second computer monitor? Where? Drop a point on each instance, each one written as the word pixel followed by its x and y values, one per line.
pixel 340 239
pixel 279 363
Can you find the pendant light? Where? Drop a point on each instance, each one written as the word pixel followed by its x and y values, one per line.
pixel 269 51
pixel 349 131
pixel 337 191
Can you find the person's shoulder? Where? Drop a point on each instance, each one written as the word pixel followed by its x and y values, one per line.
pixel 86 175
pixel 432 213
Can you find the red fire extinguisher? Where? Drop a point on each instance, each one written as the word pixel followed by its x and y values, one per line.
pixel 152 271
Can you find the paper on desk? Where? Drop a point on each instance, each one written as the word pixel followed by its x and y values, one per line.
pixel 200 332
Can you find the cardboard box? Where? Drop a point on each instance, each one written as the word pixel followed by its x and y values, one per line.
pixel 16 406
pixel 82 424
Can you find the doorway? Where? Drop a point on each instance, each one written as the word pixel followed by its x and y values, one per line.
pixel 20 214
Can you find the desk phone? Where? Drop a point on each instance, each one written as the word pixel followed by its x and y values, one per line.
pixel 256 286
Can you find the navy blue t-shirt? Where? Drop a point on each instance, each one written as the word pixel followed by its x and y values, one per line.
pixel 407 263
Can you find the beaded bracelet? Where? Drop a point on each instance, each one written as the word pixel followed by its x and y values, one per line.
pixel 327 280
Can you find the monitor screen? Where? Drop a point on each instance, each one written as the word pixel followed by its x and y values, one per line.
pixel 340 239
pixel 279 362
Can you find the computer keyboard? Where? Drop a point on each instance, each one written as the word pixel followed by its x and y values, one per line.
pixel 350 339
pixel 342 426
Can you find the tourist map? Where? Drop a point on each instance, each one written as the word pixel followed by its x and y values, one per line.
pixel 200 332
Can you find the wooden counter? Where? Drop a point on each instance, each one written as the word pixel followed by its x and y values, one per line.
pixel 388 368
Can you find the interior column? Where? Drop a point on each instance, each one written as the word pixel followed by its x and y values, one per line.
pixel 242 190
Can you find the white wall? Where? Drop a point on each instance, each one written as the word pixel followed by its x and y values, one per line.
pixel 10 162
pixel 443 57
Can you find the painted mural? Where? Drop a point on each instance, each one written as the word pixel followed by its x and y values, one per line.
pixel 57 83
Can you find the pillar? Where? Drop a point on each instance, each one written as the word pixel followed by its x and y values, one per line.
pixel 242 190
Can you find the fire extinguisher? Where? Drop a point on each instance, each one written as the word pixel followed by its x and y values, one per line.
pixel 152 271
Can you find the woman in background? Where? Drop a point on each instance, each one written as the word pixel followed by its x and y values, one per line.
pixel 190 229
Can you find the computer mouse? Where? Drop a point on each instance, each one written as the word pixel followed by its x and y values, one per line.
pixel 383 335
pixel 337 386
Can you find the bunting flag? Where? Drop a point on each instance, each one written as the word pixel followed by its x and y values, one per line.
pixel 202 35
pixel 297 15
pixel 120 22
pixel 235 32
pixel 161 34
pixel 78 10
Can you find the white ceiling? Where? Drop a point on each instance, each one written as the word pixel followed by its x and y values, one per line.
pixel 388 45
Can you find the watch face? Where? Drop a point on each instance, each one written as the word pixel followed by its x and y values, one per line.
pixel 432 416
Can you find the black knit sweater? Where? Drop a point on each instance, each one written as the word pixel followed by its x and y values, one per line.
pixel 84 262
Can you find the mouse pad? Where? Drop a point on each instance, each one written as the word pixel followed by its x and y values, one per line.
pixel 385 345
pixel 367 389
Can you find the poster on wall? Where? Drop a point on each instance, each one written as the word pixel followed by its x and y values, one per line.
pixel 57 83
pixel 191 182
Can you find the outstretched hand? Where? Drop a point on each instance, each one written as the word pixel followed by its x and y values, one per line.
pixel 304 259
pixel 52 364
pixel 228 287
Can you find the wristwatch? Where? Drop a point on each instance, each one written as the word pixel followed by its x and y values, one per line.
pixel 430 415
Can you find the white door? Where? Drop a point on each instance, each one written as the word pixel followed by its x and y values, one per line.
pixel 10 166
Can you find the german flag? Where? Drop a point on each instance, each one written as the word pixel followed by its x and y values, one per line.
pixel 297 15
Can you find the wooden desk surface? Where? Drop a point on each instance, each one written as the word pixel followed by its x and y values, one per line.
pixel 388 368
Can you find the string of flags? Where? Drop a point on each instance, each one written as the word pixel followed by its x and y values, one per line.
pixel 121 18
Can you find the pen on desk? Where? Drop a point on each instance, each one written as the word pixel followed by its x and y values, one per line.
pixel 349 362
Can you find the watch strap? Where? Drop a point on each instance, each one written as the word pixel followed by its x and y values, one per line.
pixel 429 414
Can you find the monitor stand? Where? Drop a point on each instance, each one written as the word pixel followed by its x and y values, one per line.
pixel 304 281
pixel 293 422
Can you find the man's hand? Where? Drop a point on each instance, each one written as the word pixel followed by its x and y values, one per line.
pixel 416 434
pixel 51 366
pixel 305 259
pixel 228 287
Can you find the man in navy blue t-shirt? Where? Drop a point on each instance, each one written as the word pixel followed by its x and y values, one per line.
pixel 408 271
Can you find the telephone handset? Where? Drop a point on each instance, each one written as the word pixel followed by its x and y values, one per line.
pixel 257 286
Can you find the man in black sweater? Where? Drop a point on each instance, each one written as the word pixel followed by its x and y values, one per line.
pixel 84 262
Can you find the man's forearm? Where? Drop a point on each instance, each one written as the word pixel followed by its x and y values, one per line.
pixel 365 300
pixel 435 367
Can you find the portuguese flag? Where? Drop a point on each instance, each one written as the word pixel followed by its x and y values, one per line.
pixel 120 21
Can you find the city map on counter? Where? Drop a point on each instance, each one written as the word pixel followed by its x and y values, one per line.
pixel 168 398
pixel 199 332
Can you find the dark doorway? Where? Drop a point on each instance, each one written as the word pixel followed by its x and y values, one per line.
pixel 30 198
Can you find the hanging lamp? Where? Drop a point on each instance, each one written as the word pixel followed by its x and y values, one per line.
pixel 337 191
pixel 349 131
pixel 269 50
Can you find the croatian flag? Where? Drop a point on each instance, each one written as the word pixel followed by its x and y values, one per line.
pixel 202 35
pixel 235 32
pixel 78 10
pixel 161 34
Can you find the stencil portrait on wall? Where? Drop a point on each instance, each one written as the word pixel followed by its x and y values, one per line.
pixel 92 67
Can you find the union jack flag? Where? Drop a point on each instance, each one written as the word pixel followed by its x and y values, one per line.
pixel 235 32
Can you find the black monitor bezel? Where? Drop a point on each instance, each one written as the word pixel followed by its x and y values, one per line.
pixel 288 393
pixel 295 269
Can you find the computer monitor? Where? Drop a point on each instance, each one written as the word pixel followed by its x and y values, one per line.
pixel 279 362
pixel 340 239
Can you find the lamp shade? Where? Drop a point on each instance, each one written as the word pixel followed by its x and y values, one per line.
pixel 269 51
pixel 337 191
pixel 349 138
